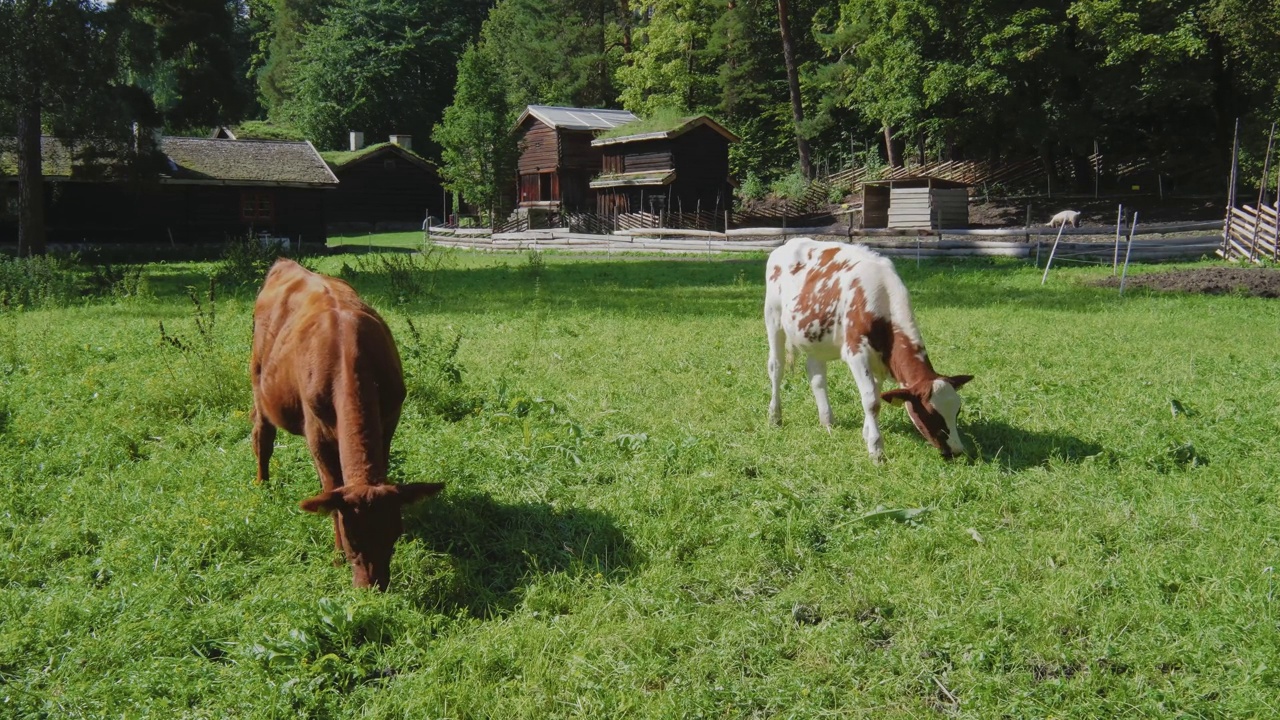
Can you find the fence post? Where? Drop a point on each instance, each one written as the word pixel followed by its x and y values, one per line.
pixel 1049 263
pixel 1262 189
pixel 1133 227
pixel 1115 257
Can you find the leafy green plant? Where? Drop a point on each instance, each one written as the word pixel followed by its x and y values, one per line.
pixel 791 186
pixel 433 375
pixel 753 187
pixel 39 281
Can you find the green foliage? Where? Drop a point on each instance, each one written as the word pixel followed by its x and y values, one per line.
pixel 669 65
pixel 791 186
pixel 541 63
pixel 382 66
pixel 753 187
pixel 246 260
pixel 478 151
pixel 410 277
pixel 41 281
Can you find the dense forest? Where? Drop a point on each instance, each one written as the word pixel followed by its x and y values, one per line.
pixel 808 85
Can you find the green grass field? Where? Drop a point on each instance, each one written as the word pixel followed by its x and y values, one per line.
pixel 623 535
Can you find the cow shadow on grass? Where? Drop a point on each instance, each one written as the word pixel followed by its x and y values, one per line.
pixel 998 443
pixel 497 549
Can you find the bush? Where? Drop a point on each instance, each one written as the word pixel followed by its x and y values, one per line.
pixel 246 260
pixel 37 282
pixel 792 185
pixel 753 188
pixel 433 376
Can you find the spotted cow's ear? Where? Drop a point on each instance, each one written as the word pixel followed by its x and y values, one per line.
pixel 897 397
pixel 324 503
pixel 958 381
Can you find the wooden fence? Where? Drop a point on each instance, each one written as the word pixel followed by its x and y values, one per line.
pixel 1251 234
pixel 1172 242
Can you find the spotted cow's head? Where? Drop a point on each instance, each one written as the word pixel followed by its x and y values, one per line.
pixel 933 409
pixel 368 523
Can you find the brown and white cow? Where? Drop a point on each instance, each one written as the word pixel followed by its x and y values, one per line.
pixel 324 366
pixel 837 301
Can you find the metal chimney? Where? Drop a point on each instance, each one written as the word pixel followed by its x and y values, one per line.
pixel 404 141
pixel 357 140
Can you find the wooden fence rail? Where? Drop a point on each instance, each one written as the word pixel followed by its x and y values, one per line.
pixel 1251 234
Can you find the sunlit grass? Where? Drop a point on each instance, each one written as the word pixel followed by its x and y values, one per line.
pixel 624 535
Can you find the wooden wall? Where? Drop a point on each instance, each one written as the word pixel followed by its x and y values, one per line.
pixel 77 212
pixel 539 147
pixel 382 187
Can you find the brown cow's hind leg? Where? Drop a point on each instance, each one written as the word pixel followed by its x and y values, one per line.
pixel 264 442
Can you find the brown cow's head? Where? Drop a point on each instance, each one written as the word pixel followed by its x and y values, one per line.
pixel 933 409
pixel 368 522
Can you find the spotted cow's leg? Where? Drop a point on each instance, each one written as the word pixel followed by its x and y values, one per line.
pixel 818 384
pixel 777 362
pixel 869 389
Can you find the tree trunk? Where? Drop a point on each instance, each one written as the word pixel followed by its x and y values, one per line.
pixel 793 83
pixel 30 182
pixel 891 153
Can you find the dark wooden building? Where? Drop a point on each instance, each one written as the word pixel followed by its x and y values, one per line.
pixel 206 190
pixel 557 160
pixel 383 186
pixel 680 169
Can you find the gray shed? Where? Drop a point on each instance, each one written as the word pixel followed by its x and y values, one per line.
pixel 915 203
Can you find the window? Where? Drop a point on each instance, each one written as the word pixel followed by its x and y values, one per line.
pixel 257 207
pixel 389 165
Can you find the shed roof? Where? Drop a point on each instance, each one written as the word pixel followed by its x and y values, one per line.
pixel 681 126
pixel 201 161
pixel 577 118
pixel 917 181
pixel 636 179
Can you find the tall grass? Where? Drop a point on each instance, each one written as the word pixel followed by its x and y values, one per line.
pixel 623 535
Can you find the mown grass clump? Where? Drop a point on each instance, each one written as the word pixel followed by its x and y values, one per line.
pixel 623 534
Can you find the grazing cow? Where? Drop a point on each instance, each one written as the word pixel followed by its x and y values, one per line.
pixel 837 301
pixel 1066 217
pixel 324 366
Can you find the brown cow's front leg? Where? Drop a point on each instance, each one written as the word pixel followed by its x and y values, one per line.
pixel 264 442
pixel 324 452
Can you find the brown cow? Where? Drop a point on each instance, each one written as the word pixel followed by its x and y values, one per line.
pixel 324 366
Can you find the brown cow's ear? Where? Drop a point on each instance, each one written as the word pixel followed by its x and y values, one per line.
pixel 411 493
pixel 959 381
pixel 324 503
pixel 897 397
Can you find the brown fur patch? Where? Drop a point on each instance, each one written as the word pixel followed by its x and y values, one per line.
pixel 819 296
pixel 777 273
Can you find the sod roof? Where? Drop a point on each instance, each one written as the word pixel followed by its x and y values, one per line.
pixel 338 159
pixel 199 161
pixel 659 127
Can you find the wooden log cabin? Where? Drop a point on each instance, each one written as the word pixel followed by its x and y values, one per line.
pixel 915 203
pixel 385 186
pixel 206 190
pixel 557 160
pixel 681 169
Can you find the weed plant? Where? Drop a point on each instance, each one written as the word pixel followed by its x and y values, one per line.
pixel 624 535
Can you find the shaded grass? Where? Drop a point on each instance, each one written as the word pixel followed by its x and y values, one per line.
pixel 623 534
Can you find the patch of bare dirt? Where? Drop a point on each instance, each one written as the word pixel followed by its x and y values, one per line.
pixel 1257 282
pixel 1012 212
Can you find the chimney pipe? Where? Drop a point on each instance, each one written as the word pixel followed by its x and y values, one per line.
pixel 404 141
pixel 357 140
